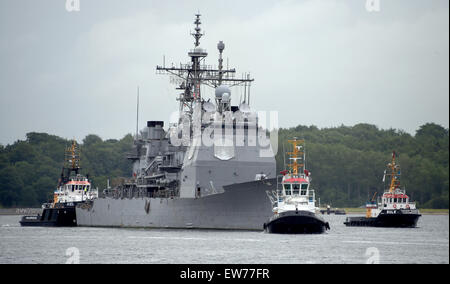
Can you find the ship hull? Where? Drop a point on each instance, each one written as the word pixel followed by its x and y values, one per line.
pixel 243 206
pixel 51 217
pixel 400 219
pixel 296 222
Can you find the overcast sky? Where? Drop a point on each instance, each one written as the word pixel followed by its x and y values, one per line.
pixel 322 63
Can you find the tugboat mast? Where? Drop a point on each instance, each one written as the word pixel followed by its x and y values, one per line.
pixel 298 154
pixel 71 162
pixel 395 173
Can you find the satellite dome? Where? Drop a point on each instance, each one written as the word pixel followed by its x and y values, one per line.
pixel 245 108
pixel 226 97
pixel 198 49
pixel 221 90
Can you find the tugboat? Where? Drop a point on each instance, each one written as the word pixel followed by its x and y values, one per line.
pixel 394 209
pixel 294 201
pixel 72 189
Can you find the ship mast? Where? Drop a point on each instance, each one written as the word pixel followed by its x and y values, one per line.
pixel 71 162
pixel 196 73
pixel 395 173
pixel 298 154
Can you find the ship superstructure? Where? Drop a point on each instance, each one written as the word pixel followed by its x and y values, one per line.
pixel 72 186
pixel 212 159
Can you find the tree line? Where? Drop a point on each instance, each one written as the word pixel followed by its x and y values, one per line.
pixel 346 163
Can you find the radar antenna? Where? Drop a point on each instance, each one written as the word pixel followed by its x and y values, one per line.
pixel 197 35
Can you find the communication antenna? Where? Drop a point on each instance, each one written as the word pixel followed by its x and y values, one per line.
pixel 137 113
pixel 248 94
pixel 220 47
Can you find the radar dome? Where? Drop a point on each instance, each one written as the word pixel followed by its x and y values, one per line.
pixel 221 90
pixel 220 46
pixel 226 97
pixel 245 108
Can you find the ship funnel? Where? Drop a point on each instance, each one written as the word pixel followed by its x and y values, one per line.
pixel 155 129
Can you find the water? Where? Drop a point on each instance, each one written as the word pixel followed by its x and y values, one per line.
pixel 429 243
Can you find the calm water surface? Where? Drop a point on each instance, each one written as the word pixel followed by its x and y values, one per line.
pixel 429 243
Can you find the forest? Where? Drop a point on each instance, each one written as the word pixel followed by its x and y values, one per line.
pixel 346 163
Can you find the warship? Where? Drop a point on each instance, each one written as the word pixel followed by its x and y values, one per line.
pixel 294 202
pixel 73 189
pixel 211 169
pixel 393 209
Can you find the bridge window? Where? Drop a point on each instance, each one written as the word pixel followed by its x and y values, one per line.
pixel 296 188
pixel 304 187
pixel 287 188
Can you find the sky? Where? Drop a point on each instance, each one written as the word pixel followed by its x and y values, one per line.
pixel 323 63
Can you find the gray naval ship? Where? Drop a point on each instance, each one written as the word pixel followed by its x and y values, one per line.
pixel 213 169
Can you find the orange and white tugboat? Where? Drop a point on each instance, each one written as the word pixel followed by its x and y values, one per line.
pixel 393 209
pixel 73 188
pixel 294 202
